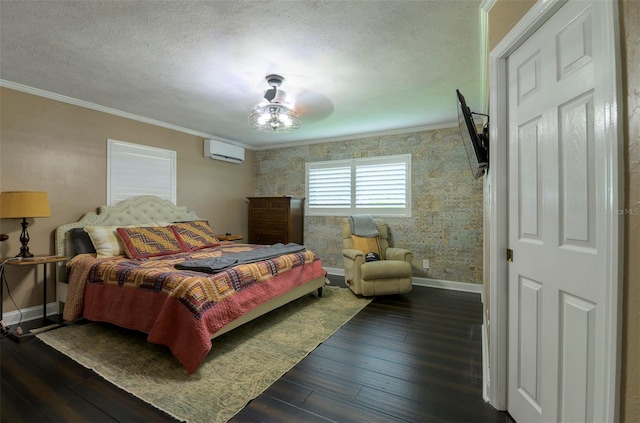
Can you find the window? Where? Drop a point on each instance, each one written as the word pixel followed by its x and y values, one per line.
pixel 376 185
pixel 134 170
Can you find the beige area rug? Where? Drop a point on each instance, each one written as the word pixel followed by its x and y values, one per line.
pixel 240 366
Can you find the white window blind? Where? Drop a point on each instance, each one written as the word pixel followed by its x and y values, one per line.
pixel 329 187
pixel 134 170
pixel 374 185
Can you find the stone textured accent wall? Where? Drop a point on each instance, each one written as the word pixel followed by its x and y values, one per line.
pixel 446 222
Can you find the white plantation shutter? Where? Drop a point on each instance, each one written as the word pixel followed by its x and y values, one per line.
pixel 381 186
pixel 134 170
pixel 375 185
pixel 330 187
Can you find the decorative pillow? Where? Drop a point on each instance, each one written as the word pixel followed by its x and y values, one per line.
pixel 105 240
pixel 367 245
pixel 81 241
pixel 150 241
pixel 196 234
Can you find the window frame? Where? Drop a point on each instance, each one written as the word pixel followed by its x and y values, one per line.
pixel 353 209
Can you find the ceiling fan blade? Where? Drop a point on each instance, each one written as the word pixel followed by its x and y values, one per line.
pixel 312 106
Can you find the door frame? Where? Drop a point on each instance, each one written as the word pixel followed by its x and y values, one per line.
pixel 497 206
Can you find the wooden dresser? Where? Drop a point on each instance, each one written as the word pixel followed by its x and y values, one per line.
pixel 276 219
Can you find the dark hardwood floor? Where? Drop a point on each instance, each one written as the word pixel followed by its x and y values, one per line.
pixel 404 358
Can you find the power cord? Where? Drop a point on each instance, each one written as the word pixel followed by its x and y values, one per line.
pixel 5 330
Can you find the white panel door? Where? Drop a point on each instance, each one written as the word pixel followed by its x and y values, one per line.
pixel 557 188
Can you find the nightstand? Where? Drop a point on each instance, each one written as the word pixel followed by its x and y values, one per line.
pixel 229 237
pixel 35 261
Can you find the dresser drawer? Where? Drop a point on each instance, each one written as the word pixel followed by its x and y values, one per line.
pixel 272 204
pixel 269 217
pixel 268 238
pixel 264 226
pixel 260 203
pixel 279 204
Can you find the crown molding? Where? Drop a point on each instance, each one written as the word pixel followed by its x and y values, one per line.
pixel 127 115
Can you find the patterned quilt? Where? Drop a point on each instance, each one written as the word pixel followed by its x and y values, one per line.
pixel 180 308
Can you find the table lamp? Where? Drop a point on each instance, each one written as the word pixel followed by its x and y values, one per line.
pixel 23 205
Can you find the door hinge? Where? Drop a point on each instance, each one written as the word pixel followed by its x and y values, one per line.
pixel 509 254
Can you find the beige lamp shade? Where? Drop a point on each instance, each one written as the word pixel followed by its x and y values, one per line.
pixel 22 204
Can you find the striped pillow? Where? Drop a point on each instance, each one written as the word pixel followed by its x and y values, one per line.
pixel 150 241
pixel 196 234
pixel 105 240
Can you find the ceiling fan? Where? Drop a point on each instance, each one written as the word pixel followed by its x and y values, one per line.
pixel 275 115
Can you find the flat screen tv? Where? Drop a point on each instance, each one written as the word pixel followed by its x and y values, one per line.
pixel 476 143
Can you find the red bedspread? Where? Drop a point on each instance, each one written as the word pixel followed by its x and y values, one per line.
pixel 184 309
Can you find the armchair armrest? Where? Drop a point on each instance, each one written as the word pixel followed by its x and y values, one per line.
pixel 353 260
pixel 352 254
pixel 403 254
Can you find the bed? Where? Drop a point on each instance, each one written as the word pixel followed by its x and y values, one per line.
pixel 143 288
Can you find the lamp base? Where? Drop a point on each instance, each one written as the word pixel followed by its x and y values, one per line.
pixel 24 239
pixel 24 253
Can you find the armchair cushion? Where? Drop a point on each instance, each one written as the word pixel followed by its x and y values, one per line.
pixel 367 245
pixel 385 270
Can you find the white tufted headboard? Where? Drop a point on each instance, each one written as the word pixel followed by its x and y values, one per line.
pixel 141 210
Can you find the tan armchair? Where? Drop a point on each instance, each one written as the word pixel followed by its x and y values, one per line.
pixel 389 275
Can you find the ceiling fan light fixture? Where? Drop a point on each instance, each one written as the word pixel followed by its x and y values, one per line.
pixel 274 116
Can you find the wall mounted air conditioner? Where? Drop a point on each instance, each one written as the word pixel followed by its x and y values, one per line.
pixel 219 150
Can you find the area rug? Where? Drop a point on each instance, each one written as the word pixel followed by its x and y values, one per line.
pixel 241 365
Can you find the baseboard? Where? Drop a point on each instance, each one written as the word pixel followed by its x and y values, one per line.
pixel 334 271
pixel 431 283
pixel 31 313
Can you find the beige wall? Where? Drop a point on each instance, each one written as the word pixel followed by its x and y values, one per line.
pixel 630 24
pixel 502 17
pixel 47 145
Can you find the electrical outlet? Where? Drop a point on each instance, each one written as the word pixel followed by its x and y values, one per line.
pixel 425 264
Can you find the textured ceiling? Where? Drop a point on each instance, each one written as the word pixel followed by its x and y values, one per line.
pixel 351 68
